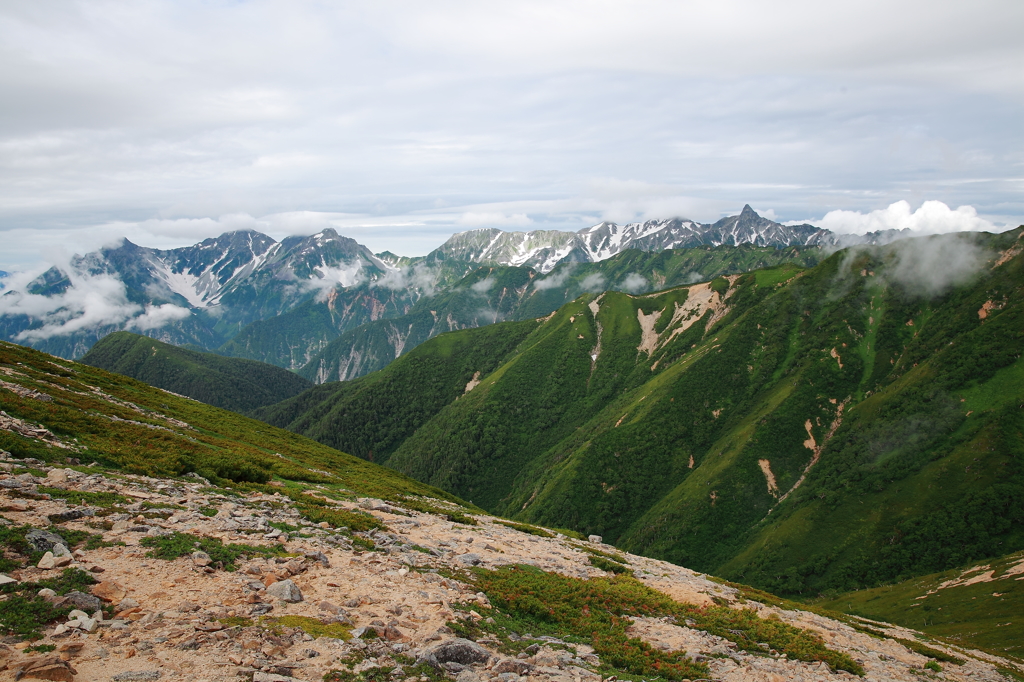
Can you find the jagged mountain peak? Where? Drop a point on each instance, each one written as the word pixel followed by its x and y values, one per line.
pixel 544 249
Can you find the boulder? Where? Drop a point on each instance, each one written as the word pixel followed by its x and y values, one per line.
pixel 201 559
pixel 109 591
pixel 5 579
pixel 516 666
pixel 456 650
pixel 60 549
pixel 45 668
pixel 46 562
pixel 43 540
pixel 285 590
pixel 83 601
pixel 469 559
pixel 320 558
pixel 595 538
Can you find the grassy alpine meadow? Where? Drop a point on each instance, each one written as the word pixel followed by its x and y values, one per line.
pixel 121 423
pixel 598 611
pixel 979 606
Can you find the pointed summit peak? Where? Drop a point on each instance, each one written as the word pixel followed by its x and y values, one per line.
pixel 748 212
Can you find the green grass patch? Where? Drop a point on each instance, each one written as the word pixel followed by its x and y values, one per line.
pixel 596 609
pixel 24 614
pixel 311 626
pixel 919 648
pixel 609 565
pixel 78 497
pixel 526 528
pixel 170 547
pixel 235 622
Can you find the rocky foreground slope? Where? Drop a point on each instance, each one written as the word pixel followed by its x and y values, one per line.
pixel 394 602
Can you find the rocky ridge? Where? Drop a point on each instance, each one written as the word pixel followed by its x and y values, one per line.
pixel 321 602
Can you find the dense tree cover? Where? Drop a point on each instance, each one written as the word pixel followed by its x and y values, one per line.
pixel 231 383
pixel 371 416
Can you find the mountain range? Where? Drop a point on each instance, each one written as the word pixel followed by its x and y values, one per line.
pixel 544 250
pixel 244 294
pixel 803 430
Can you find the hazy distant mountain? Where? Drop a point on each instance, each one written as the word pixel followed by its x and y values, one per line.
pixel 246 295
pixel 199 295
pixel 542 250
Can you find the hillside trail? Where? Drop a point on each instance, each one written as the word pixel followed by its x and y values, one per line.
pixel 184 620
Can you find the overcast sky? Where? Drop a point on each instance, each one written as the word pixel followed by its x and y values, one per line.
pixel 402 122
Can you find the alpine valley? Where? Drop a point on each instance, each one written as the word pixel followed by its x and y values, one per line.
pixel 807 431
pixel 838 425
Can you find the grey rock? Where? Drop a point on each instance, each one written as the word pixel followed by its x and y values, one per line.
pixel 201 558
pixel 43 540
pixel 513 666
pixel 60 550
pixel 70 515
pixel 260 676
pixel 261 609
pixel 457 650
pixel 469 559
pixel 136 675
pixel 595 538
pixel 285 590
pixel 467 676
pixel 319 557
pixel 85 602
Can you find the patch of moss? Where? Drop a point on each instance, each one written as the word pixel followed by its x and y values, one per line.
pixel 311 626
pixel 79 497
pixel 170 547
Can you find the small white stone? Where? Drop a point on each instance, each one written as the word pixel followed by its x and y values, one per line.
pixel 77 615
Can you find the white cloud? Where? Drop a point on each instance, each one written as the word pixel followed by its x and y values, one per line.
pixel 593 282
pixel 932 217
pixel 634 283
pixel 556 278
pixel 419 276
pixel 402 122
pixel 483 285
pixel 155 317
pixel 91 301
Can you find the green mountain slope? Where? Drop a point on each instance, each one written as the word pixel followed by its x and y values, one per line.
pixel 231 383
pixel 54 409
pixel 372 415
pixel 979 606
pixel 803 431
pixel 499 293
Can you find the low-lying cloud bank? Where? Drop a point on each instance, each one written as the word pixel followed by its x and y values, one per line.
pixel 933 217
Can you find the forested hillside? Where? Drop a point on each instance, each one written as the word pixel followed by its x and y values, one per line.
pixel 231 383
pixel 499 293
pixel 802 430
